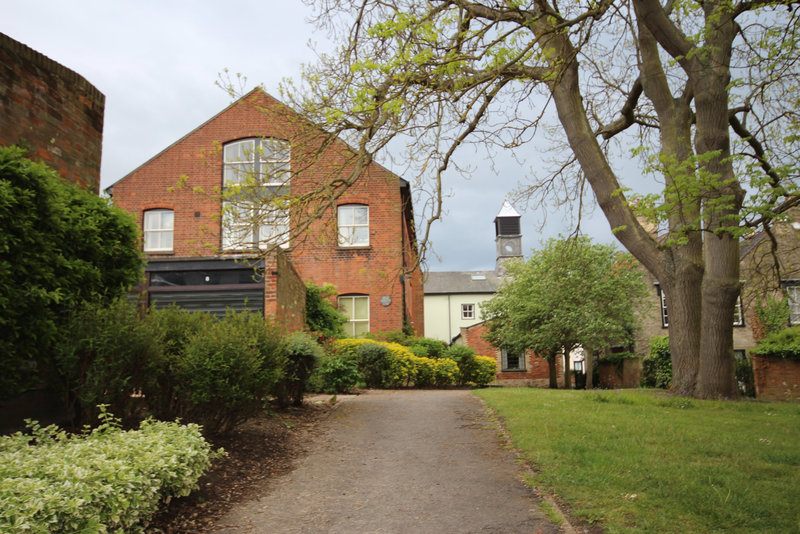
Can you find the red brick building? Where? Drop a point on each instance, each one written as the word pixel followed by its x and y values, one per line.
pixel 526 369
pixel 338 221
pixel 52 111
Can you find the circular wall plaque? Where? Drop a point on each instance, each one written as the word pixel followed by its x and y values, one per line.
pixel 386 300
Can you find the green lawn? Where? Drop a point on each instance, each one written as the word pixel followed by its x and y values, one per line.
pixel 642 461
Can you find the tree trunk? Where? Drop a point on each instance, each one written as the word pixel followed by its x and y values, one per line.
pixel 710 75
pixel 682 286
pixel 701 284
pixel 551 364
pixel 567 370
pixel 588 361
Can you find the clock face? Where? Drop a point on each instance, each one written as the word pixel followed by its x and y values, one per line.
pixel 510 247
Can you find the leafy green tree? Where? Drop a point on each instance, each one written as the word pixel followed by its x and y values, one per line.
pixel 321 315
pixel 570 293
pixel 703 94
pixel 61 246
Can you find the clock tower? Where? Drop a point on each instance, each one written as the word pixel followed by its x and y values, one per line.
pixel 508 235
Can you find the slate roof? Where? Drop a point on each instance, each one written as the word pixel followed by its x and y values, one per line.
pixel 454 282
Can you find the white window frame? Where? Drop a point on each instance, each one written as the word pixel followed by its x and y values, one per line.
pixel 738 313
pixel 160 229
pixel 664 315
pixel 792 289
pixel 738 310
pixel 467 312
pixel 355 326
pixel 254 170
pixel 351 232
pixel 504 362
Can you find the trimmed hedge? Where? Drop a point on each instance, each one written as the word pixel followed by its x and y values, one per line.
pixel 381 364
pixel 106 480
pixel 781 344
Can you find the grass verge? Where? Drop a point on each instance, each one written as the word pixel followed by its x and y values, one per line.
pixel 641 461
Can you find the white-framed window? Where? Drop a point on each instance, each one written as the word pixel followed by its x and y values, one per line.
pixel 356 309
pixel 467 311
pixel 255 179
pixel 738 314
pixel 512 361
pixel 662 295
pixel 793 295
pixel 158 230
pixel 353 225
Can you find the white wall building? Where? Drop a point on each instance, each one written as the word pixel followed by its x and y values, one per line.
pixel 453 298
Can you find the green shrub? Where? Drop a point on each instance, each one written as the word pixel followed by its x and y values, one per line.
pixel 428 348
pixel 774 315
pixel 781 344
pixel 375 361
pixel 745 378
pixel 227 370
pixel 104 356
pixel 472 369
pixel 393 336
pixel 106 480
pixel 445 372
pixel 338 372
pixel 465 358
pixel 321 315
pixel 171 328
pixel 657 365
pixel 302 355
pixel 62 246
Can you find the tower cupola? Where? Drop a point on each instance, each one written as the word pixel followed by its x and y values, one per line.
pixel 508 235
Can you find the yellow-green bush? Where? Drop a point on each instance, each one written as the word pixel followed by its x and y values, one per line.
pixel 423 371
pixel 445 372
pixel 484 371
pixel 402 367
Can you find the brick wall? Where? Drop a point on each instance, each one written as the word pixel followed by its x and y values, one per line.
pixel 776 379
pixel 186 177
pixel 537 370
pixel 625 374
pixel 289 303
pixel 52 111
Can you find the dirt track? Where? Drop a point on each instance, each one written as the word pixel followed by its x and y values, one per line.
pixel 419 461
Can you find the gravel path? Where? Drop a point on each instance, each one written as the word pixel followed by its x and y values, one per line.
pixel 418 461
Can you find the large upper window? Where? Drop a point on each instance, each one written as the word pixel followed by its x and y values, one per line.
pixel 255 184
pixel 158 227
pixel 356 309
pixel 353 225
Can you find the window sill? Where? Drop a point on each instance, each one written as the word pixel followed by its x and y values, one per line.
pixel 160 252
pixel 513 370
pixel 357 247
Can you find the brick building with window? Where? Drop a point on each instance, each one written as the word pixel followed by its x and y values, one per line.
pixel 258 177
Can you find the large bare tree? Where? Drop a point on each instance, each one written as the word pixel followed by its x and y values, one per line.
pixel 704 93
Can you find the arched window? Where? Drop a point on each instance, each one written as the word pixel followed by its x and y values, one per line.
pixel 255 179
pixel 353 225
pixel 158 228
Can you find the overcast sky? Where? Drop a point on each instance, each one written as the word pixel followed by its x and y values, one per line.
pixel 157 63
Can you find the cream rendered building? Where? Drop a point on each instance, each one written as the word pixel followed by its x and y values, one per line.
pixel 453 299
